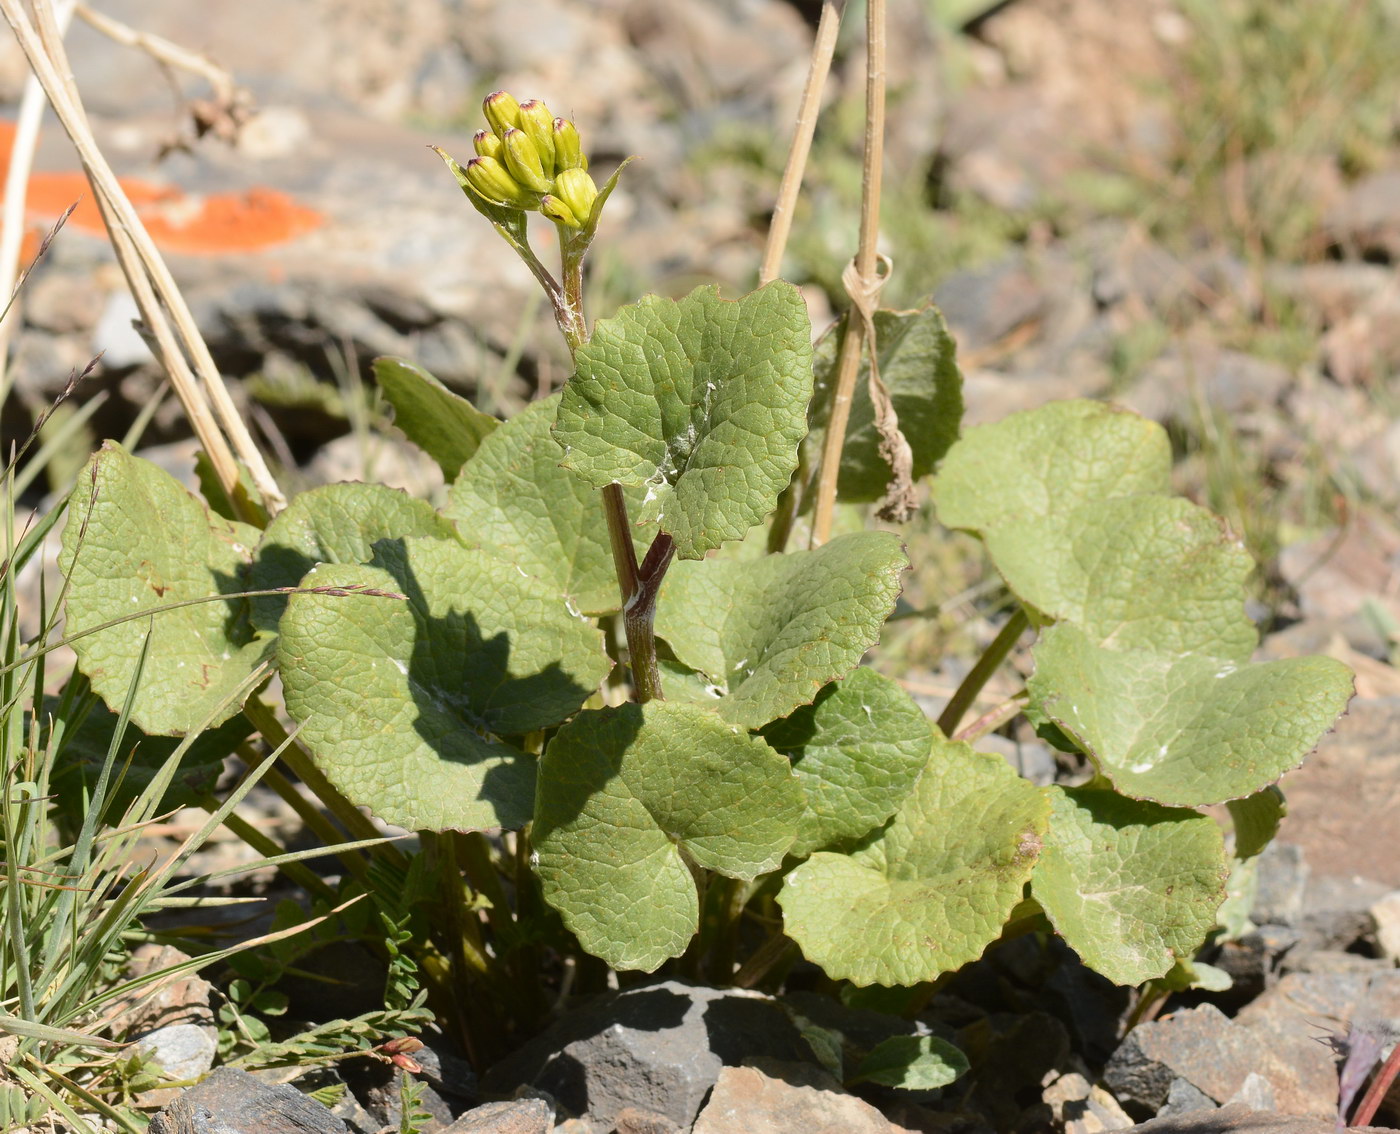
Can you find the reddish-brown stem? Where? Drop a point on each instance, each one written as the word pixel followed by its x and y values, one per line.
pixel 639 619
pixel 1371 1101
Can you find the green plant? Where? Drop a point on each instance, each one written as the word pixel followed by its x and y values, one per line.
pixel 79 787
pixel 459 671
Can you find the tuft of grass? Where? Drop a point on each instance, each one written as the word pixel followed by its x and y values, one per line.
pixel 1275 99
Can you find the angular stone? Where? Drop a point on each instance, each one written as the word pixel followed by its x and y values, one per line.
pixel 517 1116
pixel 1282 880
pixel 1216 1055
pixel 1183 1098
pixel 634 1120
pixel 1256 1092
pixel 1083 1107
pixel 773 1097
pixel 1366 221
pixel 1239 1119
pixel 1363 753
pixel 1301 1003
pixel 659 1048
pixel 231 1101
pixel 1385 912
pixel 182 1051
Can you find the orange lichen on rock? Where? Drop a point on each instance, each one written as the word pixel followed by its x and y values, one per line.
pixel 209 225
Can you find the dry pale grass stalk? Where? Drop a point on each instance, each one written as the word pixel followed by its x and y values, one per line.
pixel 806 125
pixel 178 343
pixel 26 141
pixel 864 283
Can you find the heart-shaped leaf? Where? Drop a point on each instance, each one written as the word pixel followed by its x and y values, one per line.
pixel 770 633
pixel 629 795
pixel 336 523
pixel 1185 729
pixel 700 401
pixel 515 500
pixel 403 702
pixel 912 1063
pixel 918 365
pixel 1130 886
pixel 137 543
pixel 443 424
pixel 857 751
pixel 935 888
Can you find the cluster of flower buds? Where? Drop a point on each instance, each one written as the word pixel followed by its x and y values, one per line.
pixel 531 160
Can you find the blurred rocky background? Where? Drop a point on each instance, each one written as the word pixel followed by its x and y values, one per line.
pixel 1191 207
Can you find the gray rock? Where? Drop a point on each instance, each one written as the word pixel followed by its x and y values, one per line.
pixel 183 1051
pixel 773 1097
pixel 1362 753
pixel 1083 1107
pixel 1183 1098
pixel 347 1107
pixel 1256 1092
pixel 1217 1055
pixel 234 1102
pixel 659 1047
pixel 1254 961
pixel 1282 881
pixel 634 1120
pixel 1385 912
pixel 985 305
pixel 1331 290
pixel 63 302
pixel 114 337
pixel 1301 1003
pixel 1366 221
pixel 1365 346
pixel 1240 1119
pixel 518 1116
pixel 1225 380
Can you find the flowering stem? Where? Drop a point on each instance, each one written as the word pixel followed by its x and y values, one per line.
pixel 638 584
pixel 570 313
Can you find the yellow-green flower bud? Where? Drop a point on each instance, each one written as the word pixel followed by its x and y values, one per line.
pixel 568 151
pixel 493 181
pixel 502 112
pixel 556 210
pixel 576 189
pixel 538 125
pixel 487 144
pixel 523 161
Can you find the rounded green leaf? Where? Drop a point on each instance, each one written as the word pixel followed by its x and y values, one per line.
pixel 1132 887
pixel 912 1063
pixel 1146 572
pixel 770 633
pixel 443 424
pixel 935 888
pixel 1185 729
pixel 918 365
pixel 626 796
pixel 137 542
pixel 515 500
pixel 336 523
pixel 141 760
pixel 1257 818
pixel 402 701
pixel 1049 460
pixel 857 751
pixel 700 401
